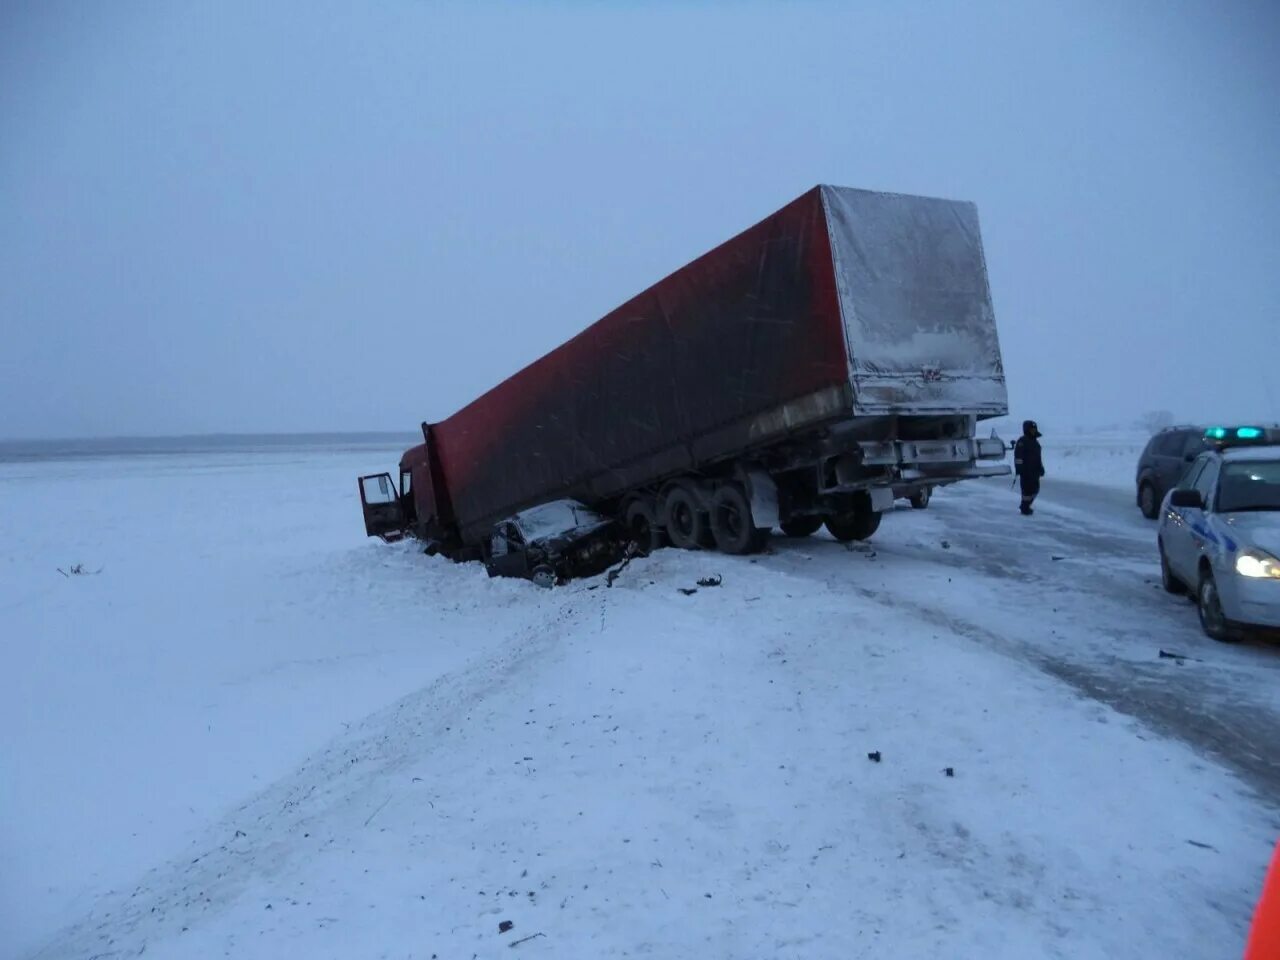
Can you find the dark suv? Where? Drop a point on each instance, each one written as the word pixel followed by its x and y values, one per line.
pixel 1165 459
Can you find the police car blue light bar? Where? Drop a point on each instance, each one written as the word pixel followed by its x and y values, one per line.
pixel 1224 436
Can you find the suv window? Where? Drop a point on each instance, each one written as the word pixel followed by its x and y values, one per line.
pixel 1169 444
pixel 1194 444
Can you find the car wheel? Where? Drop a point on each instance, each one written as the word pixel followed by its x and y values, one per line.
pixel 921 500
pixel 543 577
pixel 1212 619
pixel 686 523
pixel 801 526
pixel 1170 583
pixel 1148 503
pixel 858 525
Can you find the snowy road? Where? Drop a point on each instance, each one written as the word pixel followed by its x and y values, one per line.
pixel 280 739
pixel 1076 591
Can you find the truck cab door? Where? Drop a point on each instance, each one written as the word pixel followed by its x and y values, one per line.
pixel 383 514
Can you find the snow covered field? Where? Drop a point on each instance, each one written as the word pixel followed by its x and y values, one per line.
pixel 255 733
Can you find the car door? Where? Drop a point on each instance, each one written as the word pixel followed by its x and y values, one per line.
pixel 1169 465
pixel 1175 534
pixel 1202 538
pixel 383 513
pixel 506 552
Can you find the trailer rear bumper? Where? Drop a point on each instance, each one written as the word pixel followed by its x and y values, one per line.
pixel 925 454
pixel 969 472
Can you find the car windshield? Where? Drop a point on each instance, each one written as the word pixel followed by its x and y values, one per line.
pixel 557 517
pixel 1249 485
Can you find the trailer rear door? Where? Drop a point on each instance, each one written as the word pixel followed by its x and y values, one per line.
pixel 919 327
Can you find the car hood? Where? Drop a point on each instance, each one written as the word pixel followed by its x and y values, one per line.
pixel 1256 528
pixel 564 538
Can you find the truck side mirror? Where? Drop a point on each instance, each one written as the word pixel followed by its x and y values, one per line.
pixel 1190 499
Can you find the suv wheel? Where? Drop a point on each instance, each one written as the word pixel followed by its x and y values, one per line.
pixel 1148 502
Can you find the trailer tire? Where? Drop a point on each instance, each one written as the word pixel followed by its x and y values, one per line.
pixel 858 525
pixel 732 525
pixel 801 526
pixel 641 519
pixel 686 523
pixel 920 500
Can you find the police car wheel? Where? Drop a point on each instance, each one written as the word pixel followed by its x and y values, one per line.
pixel 1147 501
pixel 1170 583
pixel 1212 619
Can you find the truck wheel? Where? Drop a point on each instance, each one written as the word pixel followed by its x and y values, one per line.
pixel 686 523
pixel 1147 501
pixel 732 525
pixel 858 525
pixel 801 526
pixel 920 501
pixel 642 526
pixel 543 577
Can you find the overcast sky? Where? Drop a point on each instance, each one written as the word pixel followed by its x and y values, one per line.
pixel 308 216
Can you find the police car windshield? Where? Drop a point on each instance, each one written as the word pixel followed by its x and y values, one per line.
pixel 1249 485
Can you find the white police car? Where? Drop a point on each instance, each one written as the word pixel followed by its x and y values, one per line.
pixel 1220 532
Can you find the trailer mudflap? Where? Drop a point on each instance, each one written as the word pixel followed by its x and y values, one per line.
pixel 384 515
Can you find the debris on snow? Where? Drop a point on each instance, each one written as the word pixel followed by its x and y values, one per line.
pixel 949 771
pixel 688 591
pixel 505 926
pixel 78 570
pixel 711 581
pixel 874 756
pixel 1174 655
pixel 532 936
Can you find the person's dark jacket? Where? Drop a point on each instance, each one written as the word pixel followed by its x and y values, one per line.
pixel 1027 459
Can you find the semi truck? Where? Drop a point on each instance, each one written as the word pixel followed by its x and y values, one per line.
pixel 838 353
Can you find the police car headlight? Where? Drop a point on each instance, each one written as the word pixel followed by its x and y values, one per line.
pixel 1257 565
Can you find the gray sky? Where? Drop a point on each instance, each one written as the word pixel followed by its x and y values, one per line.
pixel 308 216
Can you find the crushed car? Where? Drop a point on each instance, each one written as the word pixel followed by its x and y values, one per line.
pixel 553 543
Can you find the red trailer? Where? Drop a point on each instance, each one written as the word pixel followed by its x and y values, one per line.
pixel 840 350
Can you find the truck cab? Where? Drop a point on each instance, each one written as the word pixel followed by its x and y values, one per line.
pixel 391 508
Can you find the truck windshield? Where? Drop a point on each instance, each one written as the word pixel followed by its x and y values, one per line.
pixel 1249 485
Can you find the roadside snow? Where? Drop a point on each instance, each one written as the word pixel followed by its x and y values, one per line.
pixel 274 738
pixel 1102 459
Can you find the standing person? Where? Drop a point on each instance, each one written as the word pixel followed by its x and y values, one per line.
pixel 1028 464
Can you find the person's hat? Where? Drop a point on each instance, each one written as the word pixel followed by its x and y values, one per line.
pixel 1030 427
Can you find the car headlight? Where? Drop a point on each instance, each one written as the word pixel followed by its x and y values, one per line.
pixel 1257 565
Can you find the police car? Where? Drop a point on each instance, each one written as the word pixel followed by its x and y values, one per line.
pixel 1220 532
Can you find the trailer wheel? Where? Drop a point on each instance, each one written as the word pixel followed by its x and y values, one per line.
pixel 686 523
pixel 801 526
pixel 642 526
pixel 543 576
pixel 858 525
pixel 732 525
pixel 920 501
